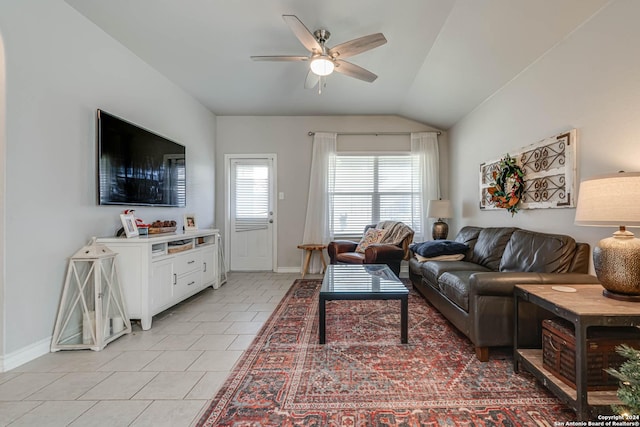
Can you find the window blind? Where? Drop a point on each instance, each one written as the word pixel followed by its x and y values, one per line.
pixel 366 189
pixel 251 197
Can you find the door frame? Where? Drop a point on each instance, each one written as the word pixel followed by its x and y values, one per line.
pixel 228 158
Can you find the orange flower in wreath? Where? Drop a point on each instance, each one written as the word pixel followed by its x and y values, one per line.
pixel 508 186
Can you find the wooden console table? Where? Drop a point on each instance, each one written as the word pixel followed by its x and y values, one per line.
pixel 584 308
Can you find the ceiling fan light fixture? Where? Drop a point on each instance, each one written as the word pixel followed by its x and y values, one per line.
pixel 322 66
pixel 323 60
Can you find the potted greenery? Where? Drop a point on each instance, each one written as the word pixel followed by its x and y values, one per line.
pixel 629 376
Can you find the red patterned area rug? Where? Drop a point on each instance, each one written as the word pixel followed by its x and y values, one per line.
pixel 363 376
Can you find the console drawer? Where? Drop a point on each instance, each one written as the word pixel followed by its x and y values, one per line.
pixel 187 263
pixel 188 283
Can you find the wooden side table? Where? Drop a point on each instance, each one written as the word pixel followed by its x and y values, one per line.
pixel 586 307
pixel 309 248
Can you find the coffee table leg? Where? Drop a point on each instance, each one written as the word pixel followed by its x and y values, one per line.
pixel 321 319
pixel 404 320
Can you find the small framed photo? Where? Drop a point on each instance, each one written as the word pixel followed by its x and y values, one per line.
pixel 129 224
pixel 190 223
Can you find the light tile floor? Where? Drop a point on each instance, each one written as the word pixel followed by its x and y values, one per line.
pixel 161 377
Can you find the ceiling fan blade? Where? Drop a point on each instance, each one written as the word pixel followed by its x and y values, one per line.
pixel 302 33
pixel 312 80
pixel 353 70
pixel 356 46
pixel 280 58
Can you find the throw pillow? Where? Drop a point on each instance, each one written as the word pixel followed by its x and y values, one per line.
pixel 457 257
pixel 373 235
pixel 434 248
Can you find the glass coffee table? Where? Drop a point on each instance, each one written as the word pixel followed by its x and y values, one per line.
pixel 363 282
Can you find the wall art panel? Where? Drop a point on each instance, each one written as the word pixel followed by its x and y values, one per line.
pixel 550 173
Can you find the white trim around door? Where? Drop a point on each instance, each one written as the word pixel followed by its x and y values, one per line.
pixel 231 162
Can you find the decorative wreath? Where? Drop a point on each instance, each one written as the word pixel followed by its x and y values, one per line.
pixel 508 186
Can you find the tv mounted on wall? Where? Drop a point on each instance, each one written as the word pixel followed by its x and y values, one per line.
pixel 138 167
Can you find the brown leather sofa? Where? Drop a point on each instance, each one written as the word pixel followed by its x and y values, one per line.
pixel 476 293
pixel 392 254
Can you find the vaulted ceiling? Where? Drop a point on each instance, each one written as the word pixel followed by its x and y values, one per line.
pixel 443 58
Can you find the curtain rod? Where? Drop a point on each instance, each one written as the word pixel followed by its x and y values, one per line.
pixel 311 133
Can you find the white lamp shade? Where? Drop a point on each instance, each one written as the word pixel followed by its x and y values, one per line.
pixel 610 200
pixel 439 209
pixel 321 66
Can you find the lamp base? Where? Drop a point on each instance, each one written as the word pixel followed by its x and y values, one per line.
pixel 621 297
pixel 616 261
pixel 440 230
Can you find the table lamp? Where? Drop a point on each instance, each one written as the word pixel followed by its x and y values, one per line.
pixel 614 200
pixel 439 209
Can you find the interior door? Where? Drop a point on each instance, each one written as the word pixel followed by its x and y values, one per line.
pixel 251 214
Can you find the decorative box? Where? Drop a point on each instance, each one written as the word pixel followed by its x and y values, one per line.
pixel 559 352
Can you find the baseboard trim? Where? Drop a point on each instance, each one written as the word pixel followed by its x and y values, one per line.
pixel 288 270
pixel 25 354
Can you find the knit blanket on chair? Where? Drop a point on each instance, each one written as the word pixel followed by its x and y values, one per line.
pixel 396 232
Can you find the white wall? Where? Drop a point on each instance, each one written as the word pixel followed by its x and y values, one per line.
pixel 60 68
pixel 2 189
pixel 287 136
pixel 591 82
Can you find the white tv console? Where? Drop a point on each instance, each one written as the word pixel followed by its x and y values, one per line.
pixel 159 271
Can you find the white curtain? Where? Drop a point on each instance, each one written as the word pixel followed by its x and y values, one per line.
pixel 424 149
pixel 316 226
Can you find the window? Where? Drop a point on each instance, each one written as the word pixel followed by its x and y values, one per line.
pixel 366 189
pixel 251 196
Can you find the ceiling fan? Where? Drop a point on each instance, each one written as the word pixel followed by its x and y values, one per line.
pixel 324 60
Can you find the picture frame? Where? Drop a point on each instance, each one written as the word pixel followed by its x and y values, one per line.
pixel 190 223
pixel 129 225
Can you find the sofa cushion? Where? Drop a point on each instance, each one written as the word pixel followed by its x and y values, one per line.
pixel 530 251
pixel 469 236
pixel 490 246
pixel 432 270
pixel 434 248
pixel 455 286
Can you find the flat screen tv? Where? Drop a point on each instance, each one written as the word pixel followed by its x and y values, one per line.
pixel 138 167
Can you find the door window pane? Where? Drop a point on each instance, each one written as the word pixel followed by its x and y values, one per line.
pixel 251 196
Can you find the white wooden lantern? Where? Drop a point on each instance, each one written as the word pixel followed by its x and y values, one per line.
pixel 92 310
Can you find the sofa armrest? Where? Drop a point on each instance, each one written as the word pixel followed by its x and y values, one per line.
pixel 569 279
pixel 380 253
pixel 502 284
pixel 339 246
